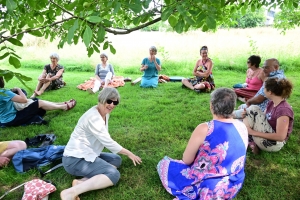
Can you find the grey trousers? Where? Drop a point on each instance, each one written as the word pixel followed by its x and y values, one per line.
pixel 106 164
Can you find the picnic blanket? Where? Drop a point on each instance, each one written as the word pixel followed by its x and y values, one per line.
pixel 117 81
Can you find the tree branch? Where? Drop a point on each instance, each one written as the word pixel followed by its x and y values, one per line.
pixel 62 8
pixel 34 29
pixel 127 31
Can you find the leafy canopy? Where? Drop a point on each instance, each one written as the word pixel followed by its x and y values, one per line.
pixel 89 21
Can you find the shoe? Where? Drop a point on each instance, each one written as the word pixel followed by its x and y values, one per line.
pixel 197 91
pixel 73 104
pixel 127 79
pixel 90 91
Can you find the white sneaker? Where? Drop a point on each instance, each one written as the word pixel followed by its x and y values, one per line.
pixel 90 91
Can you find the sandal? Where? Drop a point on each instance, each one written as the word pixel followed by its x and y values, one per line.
pixel 71 100
pixel 73 104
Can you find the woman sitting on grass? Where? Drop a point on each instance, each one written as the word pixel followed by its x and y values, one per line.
pixel 271 130
pixel 8 149
pixel 254 79
pixel 10 116
pixel 150 66
pixel 104 74
pixel 51 77
pixel 83 154
pixel 212 166
pixel 203 80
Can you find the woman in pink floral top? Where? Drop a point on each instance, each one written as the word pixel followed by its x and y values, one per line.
pixel 212 166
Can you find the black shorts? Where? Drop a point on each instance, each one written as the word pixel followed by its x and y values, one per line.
pixel 26 115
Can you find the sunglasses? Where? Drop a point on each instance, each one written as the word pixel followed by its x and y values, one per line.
pixel 248 62
pixel 109 101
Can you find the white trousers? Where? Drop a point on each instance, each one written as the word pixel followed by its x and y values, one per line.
pixel 98 84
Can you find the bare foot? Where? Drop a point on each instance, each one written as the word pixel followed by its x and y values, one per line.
pixel 33 96
pixel 38 93
pixel 76 182
pixel 68 194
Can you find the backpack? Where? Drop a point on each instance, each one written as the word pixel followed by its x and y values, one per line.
pixel 36 157
pixel 40 140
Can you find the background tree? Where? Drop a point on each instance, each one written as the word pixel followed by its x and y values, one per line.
pixel 249 19
pixel 287 19
pixel 90 20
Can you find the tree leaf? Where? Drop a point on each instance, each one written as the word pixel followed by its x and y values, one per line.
pixel 295 5
pixel 112 49
pixel 211 23
pixel 200 18
pixel 12 53
pixel 14 61
pixel 135 7
pixel 96 48
pixel 117 7
pixel 11 5
pixel 172 21
pixel 15 42
pixel 253 7
pixel 87 36
pixel 100 34
pixel 4 56
pixel 105 46
pixel 20 36
pixel 75 39
pixel 189 20
pixel 94 19
pixel 179 26
pixel 36 33
pixel 204 28
pixel 8 75
pixel 181 10
pixel 40 18
pixel 90 51
pixel 166 13
pixel 72 31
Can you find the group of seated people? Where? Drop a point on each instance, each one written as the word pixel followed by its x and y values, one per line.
pixel 213 162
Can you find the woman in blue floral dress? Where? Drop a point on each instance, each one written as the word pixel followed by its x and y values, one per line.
pixel 213 162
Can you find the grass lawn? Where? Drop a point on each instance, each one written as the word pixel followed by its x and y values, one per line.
pixel 153 123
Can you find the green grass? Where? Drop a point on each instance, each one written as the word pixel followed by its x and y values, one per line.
pixel 153 123
pixel 157 122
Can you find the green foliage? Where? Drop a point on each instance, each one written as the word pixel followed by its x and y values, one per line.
pixel 250 19
pixel 90 21
pixel 287 18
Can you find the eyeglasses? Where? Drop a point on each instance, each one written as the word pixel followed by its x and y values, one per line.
pixel 109 101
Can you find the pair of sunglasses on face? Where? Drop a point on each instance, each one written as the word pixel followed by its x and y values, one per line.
pixel 109 101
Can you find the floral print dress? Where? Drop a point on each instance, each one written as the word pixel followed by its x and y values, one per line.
pixel 57 83
pixel 217 171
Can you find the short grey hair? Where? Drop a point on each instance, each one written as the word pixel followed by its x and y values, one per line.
pixel 153 48
pixel 108 93
pixel 54 55
pixel 104 54
pixel 223 101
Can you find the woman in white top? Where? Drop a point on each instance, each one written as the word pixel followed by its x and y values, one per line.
pixel 104 73
pixel 83 154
